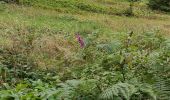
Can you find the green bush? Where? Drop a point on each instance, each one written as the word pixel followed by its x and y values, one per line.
pixel 163 5
pixel 11 1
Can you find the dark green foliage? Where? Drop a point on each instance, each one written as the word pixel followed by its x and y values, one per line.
pixel 163 5
pixel 11 1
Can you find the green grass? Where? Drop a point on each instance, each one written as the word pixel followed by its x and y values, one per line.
pixel 96 6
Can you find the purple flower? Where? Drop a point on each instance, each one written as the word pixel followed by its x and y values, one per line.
pixel 80 40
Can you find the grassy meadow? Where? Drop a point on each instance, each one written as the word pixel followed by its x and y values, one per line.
pixel 41 59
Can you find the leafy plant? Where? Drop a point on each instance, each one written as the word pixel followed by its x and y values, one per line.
pixel 162 86
pixel 127 91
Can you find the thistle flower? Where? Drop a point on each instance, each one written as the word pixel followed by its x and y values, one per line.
pixel 80 40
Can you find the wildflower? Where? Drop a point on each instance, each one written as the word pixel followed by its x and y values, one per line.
pixel 80 40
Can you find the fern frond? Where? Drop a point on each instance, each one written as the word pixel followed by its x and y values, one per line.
pixel 148 91
pixel 162 86
pixel 128 91
pixel 113 46
pixel 122 90
pixel 75 89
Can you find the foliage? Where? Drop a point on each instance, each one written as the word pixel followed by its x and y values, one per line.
pixel 11 1
pixel 162 86
pixel 71 89
pixel 163 5
pixel 40 58
pixel 128 92
pixel 124 58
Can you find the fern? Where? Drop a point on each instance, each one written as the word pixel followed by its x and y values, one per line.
pixel 75 89
pixel 146 91
pixel 123 90
pixel 111 47
pixel 126 91
pixel 162 87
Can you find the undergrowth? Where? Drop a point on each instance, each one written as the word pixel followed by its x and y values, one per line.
pixel 137 69
pixel 41 57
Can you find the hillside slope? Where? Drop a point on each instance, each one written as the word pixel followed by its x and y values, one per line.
pixel 42 56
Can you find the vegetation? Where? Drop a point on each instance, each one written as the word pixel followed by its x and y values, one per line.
pixel 11 1
pixel 160 4
pixel 83 50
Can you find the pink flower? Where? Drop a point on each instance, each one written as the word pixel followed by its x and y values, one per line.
pixel 80 40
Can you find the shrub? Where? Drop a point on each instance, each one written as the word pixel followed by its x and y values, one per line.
pixel 163 5
pixel 11 1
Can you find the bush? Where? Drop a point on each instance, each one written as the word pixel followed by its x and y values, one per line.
pixel 163 5
pixel 11 1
